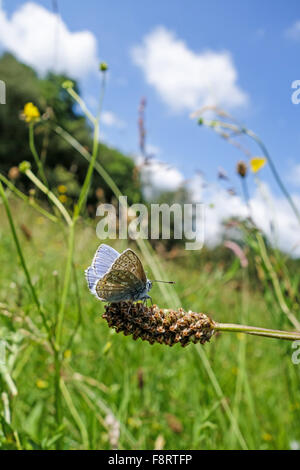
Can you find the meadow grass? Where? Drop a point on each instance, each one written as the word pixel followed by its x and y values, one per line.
pixel 159 396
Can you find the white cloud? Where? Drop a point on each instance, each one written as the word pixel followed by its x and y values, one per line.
pixel 152 150
pixel 184 79
pixel 294 176
pixel 293 32
pixel 267 211
pixel 159 177
pixel 40 38
pixel 109 119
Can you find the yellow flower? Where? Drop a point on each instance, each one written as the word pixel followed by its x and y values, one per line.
pixel 107 347
pixel 63 198
pixel 62 189
pixel 31 112
pixel 41 384
pixel 67 354
pixel 257 163
pixel 267 437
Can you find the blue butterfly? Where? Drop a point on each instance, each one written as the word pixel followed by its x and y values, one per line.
pixel 115 277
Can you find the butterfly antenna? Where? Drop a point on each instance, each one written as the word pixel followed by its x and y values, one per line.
pixel 166 282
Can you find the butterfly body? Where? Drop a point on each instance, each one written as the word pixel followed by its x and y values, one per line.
pixel 115 277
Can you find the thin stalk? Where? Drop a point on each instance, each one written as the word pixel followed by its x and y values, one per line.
pixel 79 318
pixel 275 282
pixel 27 199
pixel 60 316
pixel 69 263
pixel 8 380
pixel 57 397
pixel 246 195
pixel 241 380
pixel 23 262
pixel 254 330
pixel 6 409
pixel 35 154
pixel 103 407
pixel 221 396
pixel 87 181
pixel 88 178
pixel 85 154
pixel 82 104
pixel 77 210
pixel 274 170
pixel 50 195
pixel 76 416
pixel 237 130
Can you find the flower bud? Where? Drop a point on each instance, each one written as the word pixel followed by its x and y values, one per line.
pixel 241 168
pixel 67 84
pixel 103 67
pixel 24 166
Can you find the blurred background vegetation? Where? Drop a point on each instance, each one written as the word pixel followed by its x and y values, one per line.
pixel 63 166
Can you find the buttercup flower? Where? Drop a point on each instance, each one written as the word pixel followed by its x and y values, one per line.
pixel 63 198
pixel 42 384
pixel 62 189
pixel 31 112
pixel 256 163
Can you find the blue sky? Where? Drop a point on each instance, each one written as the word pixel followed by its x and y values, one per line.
pixel 265 59
pixel 261 39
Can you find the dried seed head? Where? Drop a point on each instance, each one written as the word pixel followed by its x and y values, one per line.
pixel 241 168
pixel 156 325
pixel 14 173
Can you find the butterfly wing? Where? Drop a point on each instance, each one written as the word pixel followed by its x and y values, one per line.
pixel 125 279
pixel 101 264
pixel 130 262
pixel 118 285
pixel 91 278
pixel 104 259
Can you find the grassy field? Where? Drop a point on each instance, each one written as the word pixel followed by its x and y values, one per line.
pixel 237 391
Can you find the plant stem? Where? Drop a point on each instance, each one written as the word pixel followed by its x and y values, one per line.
pixel 274 170
pixel 23 263
pixel 82 104
pixel 253 330
pixel 237 129
pixel 28 200
pixel 76 416
pixel 67 278
pixel 71 241
pixel 50 195
pixel 275 281
pixel 35 154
